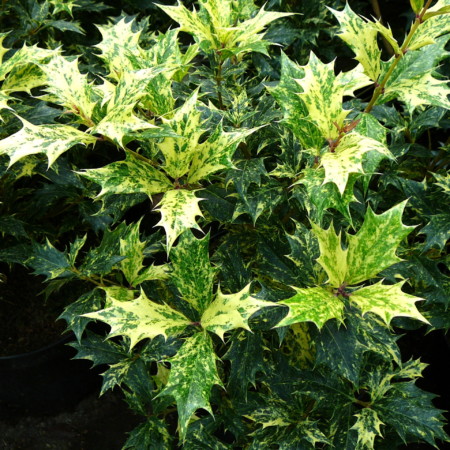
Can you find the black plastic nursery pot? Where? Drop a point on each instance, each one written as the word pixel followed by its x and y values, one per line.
pixel 45 381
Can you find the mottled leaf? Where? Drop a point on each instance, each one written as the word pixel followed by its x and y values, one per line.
pixel 437 231
pixel 193 373
pixel 150 435
pixel 368 428
pixel 316 305
pixel 140 319
pixel 230 311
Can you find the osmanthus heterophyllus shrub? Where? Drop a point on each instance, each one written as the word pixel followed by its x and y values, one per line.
pixel 259 312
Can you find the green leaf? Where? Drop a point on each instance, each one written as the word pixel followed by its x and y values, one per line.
pixel 433 27
pixel 150 435
pixel 323 93
pixel 193 373
pixel 140 319
pixel 368 428
pixel 437 231
pixel 348 158
pixel 131 176
pixel 51 140
pixel 231 311
pixel 410 412
pixel 48 261
pixel 416 5
pixel 192 273
pixel 370 250
pixel 178 208
pixel 387 301
pixel 361 36
pixel 246 355
pixel 316 305
pixel 440 7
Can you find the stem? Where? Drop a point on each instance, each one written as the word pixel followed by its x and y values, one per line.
pixel 91 279
pixel 379 90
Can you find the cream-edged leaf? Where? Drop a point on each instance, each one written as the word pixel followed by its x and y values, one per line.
pixel 230 311
pixel 361 36
pixel 140 318
pixel 193 373
pixel 131 176
pixel 348 158
pixel 387 301
pixel 51 140
pixel 179 209
pixel 316 305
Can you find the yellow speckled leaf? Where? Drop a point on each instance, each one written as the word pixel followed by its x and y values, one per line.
pixel 140 319
pixel 361 36
pixel 178 208
pixel 228 312
pixel 348 158
pixel 323 93
pixel 368 428
pixel 387 301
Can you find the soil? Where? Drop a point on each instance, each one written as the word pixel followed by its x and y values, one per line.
pixel 94 424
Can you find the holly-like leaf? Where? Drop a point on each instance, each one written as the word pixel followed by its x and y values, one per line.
pixel 51 140
pixel 151 434
pixel 387 301
pixel 348 158
pixel 437 231
pixel 433 27
pixel 193 373
pixel 231 311
pixel 140 319
pixel 369 251
pixel 416 5
pixel 69 88
pixel 323 93
pixel 361 36
pixel 131 176
pixel 440 7
pixel 178 208
pixel 192 273
pixel 47 260
pixel 368 428
pixel 316 305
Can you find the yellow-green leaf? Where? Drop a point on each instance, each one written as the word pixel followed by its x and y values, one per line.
pixel 228 312
pixel 323 93
pixel 140 319
pixel 131 176
pixel 440 7
pixel 387 301
pixel 178 208
pixel 368 428
pixel 51 140
pixel 316 305
pixel 348 158
pixel 361 36
pixel 416 5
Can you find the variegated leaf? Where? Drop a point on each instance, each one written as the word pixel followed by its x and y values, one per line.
pixel 348 158
pixel 118 42
pixel 178 152
pixel 119 122
pixel 192 375
pixel 117 294
pixel 388 301
pixel 386 32
pixel 4 99
pixel 368 428
pixel 132 266
pixel 178 208
pixel 24 77
pixel 316 305
pixel 69 88
pixel 131 176
pixel 215 154
pixel 440 7
pixel 294 110
pixel 361 36
pixel 140 319
pixel 323 93
pixel 51 140
pixel 416 5
pixel 369 251
pixel 429 31
pixel 192 273
pixel 231 311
